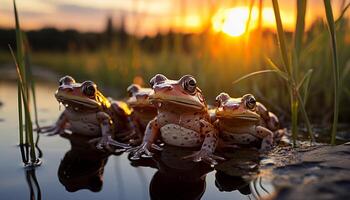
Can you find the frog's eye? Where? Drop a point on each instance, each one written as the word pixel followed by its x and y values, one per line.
pixel 250 101
pixel 89 88
pixel 190 84
pixel 66 80
pixel 132 89
pixel 159 78
pixel 221 98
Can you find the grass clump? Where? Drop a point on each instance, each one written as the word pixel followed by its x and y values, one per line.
pixel 288 70
pixel 25 90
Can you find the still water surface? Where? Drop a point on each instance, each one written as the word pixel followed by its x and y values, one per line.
pixel 68 170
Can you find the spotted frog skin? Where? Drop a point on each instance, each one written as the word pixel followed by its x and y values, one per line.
pixel 182 119
pixel 245 121
pixel 88 112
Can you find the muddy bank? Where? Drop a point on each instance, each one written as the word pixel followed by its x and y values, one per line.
pixel 317 172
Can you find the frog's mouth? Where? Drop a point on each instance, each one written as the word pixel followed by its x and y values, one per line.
pixel 158 98
pixel 76 101
pixel 242 116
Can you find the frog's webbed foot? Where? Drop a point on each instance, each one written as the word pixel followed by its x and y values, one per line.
pixel 106 142
pixel 204 155
pixel 143 151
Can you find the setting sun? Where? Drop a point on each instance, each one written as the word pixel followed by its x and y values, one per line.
pixel 231 21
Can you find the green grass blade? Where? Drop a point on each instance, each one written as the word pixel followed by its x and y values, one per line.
pixel 299 27
pixel 254 74
pixel 331 29
pixel 281 37
pixel 304 84
pixel 306 87
pixel 20 113
pixel 275 67
pixel 294 116
pixel 305 116
pixel 342 13
pixel 305 78
pixel 298 40
pixel 26 109
pixel 19 41
pixel 30 79
pixel 22 76
pixel 20 60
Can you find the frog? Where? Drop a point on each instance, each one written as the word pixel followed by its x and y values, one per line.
pixel 88 112
pixel 245 121
pixel 182 120
pixel 140 104
pixel 143 110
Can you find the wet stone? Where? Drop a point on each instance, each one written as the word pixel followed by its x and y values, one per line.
pixel 320 172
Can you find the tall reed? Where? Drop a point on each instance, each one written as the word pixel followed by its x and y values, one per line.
pixel 332 34
pixel 24 83
pixel 298 39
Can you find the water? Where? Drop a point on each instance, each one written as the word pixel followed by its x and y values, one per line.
pixel 66 169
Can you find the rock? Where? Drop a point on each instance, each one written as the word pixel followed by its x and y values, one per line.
pixel 322 172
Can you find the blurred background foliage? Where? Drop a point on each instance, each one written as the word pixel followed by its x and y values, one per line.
pixel 115 58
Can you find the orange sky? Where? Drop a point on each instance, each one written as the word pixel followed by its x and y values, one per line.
pixel 144 17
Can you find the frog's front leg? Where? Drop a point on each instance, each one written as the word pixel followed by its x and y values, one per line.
pixel 267 138
pixel 106 130
pixel 209 145
pixel 271 120
pixel 57 128
pixel 151 134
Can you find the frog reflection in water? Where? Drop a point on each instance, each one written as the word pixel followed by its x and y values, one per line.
pixel 143 110
pixel 228 183
pixel 245 121
pixel 90 113
pixel 82 166
pixel 182 119
pixel 176 178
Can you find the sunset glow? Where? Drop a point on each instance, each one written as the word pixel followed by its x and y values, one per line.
pixel 150 17
pixel 231 21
